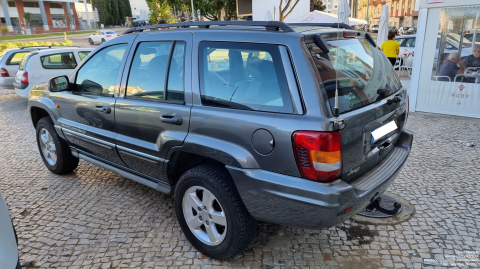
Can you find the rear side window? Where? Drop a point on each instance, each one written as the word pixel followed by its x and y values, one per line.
pixel 99 74
pixel 64 60
pixel 362 70
pixel 25 59
pixel 16 58
pixel 243 76
pixel 83 54
pixel 152 64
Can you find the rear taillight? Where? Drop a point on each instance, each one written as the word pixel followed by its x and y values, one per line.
pixel 4 72
pixel 349 34
pixel 318 154
pixel 118 35
pixel 25 77
pixel 108 35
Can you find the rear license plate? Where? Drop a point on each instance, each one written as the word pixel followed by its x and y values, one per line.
pixel 382 131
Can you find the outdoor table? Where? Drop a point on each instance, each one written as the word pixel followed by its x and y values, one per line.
pixel 477 77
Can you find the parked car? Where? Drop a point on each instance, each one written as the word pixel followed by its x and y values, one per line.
pixel 39 66
pixel 102 36
pixel 469 37
pixel 138 23
pixel 406 31
pixel 373 28
pixel 8 239
pixel 9 62
pixel 393 29
pixel 407 45
pixel 215 115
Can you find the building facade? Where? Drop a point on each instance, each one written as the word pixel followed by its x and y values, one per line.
pixel 331 6
pixel 46 16
pixel 266 10
pixel 140 10
pixel 402 12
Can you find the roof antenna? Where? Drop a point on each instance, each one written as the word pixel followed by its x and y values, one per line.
pixel 336 120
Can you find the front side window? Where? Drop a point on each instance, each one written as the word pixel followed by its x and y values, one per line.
pixel 64 60
pixel 243 76
pixel 16 58
pixel 99 74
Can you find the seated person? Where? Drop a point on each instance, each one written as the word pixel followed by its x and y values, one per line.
pixel 450 68
pixel 473 60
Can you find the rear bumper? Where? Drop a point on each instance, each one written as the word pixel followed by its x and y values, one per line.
pixel 23 92
pixel 302 203
pixel 20 86
pixel 7 82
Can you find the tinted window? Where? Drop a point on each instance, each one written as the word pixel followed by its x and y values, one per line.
pixel 243 76
pixel 148 70
pixel 99 74
pixel 110 33
pixel 176 73
pixel 30 4
pixel 16 58
pixel 83 54
pixel 359 77
pixel 55 5
pixel 64 60
pixel 399 41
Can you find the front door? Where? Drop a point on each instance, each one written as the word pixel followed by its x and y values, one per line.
pixel 153 111
pixel 88 111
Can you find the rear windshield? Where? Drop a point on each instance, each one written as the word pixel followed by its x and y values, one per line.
pixel 110 32
pixel 362 70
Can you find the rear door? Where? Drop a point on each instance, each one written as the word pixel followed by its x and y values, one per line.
pixel 88 111
pixel 153 111
pixel 366 80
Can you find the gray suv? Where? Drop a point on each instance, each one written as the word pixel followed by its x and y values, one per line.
pixel 238 122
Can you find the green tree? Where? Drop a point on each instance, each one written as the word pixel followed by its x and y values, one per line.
pixel 317 5
pixel 159 10
pixel 116 20
pixel 210 9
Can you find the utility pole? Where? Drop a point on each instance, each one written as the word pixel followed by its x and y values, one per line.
pixel 191 14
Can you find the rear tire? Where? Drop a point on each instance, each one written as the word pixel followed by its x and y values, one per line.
pixel 55 152
pixel 90 41
pixel 103 40
pixel 220 228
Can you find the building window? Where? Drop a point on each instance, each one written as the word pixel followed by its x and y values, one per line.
pixel 11 4
pixel 30 4
pixel 55 5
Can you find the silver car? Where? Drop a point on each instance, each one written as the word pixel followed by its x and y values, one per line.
pixel 8 239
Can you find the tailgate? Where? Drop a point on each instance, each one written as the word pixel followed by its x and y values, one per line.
pixel 372 102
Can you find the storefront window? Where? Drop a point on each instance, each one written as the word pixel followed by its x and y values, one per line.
pixel 457 53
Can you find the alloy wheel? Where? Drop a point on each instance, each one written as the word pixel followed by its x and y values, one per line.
pixel 204 215
pixel 47 146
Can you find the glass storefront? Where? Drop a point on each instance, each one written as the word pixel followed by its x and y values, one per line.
pixel 449 80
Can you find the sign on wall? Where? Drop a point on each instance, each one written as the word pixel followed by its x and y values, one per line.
pixel 447 3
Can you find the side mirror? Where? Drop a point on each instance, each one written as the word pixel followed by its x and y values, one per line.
pixel 58 84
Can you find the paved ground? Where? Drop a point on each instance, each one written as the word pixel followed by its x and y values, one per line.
pixel 93 218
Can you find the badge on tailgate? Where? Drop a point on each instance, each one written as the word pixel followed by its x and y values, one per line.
pixel 382 131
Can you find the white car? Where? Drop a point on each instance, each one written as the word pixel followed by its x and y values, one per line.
pixel 8 239
pixel 39 66
pixel 102 36
pixel 373 28
pixel 407 45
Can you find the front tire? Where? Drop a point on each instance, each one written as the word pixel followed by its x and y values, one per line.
pixel 90 41
pixel 56 154
pixel 103 40
pixel 211 212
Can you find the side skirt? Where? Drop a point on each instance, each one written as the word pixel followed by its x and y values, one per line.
pixel 159 186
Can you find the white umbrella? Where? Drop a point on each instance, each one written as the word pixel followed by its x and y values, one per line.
pixel 322 17
pixel 343 12
pixel 383 27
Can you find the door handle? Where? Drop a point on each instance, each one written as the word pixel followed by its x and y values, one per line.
pixel 171 119
pixel 103 109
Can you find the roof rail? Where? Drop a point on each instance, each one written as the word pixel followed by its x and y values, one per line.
pixel 332 25
pixel 48 47
pixel 269 25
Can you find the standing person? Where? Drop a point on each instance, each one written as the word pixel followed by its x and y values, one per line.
pixel 391 48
